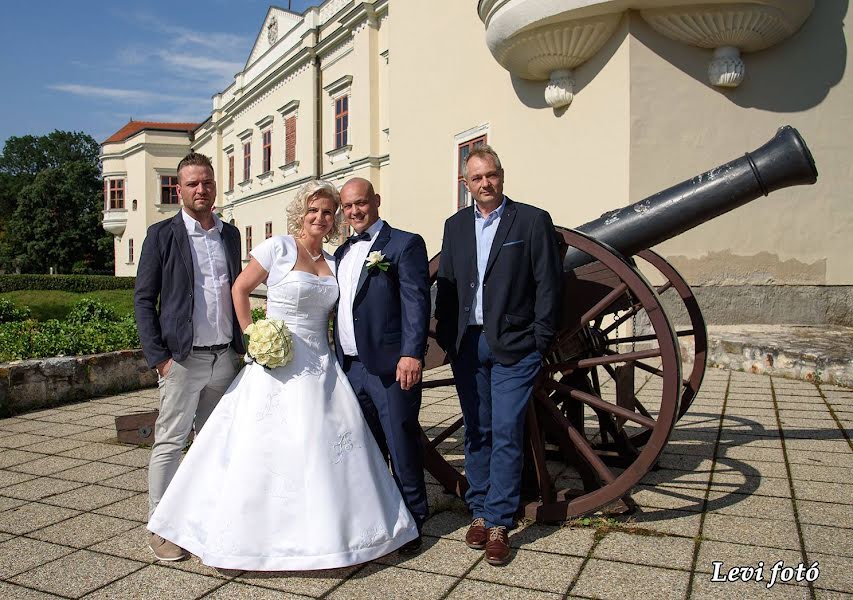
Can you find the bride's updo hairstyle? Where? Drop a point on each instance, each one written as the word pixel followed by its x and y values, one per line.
pixel 298 207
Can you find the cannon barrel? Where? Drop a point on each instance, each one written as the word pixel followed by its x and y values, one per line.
pixel 784 161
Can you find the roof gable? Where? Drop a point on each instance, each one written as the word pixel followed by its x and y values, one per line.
pixel 134 127
pixel 276 24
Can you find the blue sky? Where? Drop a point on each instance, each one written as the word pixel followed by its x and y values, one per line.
pixel 91 65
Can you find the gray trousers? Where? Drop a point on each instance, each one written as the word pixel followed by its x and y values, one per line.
pixel 188 394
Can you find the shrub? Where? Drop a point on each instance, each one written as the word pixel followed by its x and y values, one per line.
pixel 31 339
pixel 66 283
pixel 9 312
pixel 258 314
pixel 89 310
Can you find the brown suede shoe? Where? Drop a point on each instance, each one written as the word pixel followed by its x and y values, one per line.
pixel 497 548
pixel 163 549
pixel 477 535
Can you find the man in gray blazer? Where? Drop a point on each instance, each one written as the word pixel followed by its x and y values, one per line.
pixel 186 322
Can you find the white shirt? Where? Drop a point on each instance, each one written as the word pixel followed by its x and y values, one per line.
pixel 349 272
pixel 212 307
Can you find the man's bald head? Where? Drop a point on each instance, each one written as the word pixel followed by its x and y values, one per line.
pixel 360 203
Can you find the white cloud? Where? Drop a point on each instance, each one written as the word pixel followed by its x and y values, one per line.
pixel 188 62
pixel 124 95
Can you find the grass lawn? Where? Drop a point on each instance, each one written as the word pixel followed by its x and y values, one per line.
pixel 55 304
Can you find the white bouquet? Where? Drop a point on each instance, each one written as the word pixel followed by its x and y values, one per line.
pixel 270 343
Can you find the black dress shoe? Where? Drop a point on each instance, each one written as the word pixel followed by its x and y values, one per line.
pixel 413 547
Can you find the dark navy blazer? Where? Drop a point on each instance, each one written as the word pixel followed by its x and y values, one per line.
pixel 390 308
pixel 166 273
pixel 521 287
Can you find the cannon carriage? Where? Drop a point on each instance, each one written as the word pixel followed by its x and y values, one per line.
pixel 616 380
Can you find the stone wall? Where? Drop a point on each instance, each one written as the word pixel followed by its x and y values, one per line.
pixel 40 383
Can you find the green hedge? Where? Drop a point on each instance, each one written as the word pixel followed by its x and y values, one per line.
pixel 32 339
pixel 66 283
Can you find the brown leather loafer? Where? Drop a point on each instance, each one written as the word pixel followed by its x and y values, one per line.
pixel 497 548
pixel 477 535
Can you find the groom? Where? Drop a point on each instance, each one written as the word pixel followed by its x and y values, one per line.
pixel 380 335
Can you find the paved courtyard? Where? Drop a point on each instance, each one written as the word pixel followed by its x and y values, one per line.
pixel 759 471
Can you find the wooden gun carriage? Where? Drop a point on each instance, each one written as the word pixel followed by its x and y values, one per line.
pixel 590 410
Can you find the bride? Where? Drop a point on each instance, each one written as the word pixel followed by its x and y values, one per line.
pixel 286 474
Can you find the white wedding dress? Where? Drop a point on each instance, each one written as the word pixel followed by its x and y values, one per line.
pixel 285 474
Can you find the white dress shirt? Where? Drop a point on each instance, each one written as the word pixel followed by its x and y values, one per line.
pixel 212 307
pixel 349 272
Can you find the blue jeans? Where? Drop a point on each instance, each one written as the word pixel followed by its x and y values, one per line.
pixel 494 401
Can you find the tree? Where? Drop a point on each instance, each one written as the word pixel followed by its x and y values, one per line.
pixel 50 187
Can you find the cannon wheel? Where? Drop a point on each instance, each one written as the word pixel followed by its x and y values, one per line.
pixel 698 331
pixel 567 398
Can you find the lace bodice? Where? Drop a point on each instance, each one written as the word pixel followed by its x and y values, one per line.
pixel 303 301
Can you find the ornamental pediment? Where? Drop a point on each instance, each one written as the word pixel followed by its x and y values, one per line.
pixel 545 40
pixel 276 24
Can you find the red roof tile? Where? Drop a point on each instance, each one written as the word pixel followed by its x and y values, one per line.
pixel 134 127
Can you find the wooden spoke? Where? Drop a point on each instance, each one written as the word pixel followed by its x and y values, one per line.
pixel 596 402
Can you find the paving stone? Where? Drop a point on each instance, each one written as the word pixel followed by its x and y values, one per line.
pixel 573 541
pixel 136 457
pixel 748 506
pixel 656 551
pixel 136 480
pixel 241 591
pixel 772 533
pixel 134 508
pixel 448 524
pixel 745 555
pixel 841 493
pixel 22 554
pixel 94 472
pixel 48 465
pixel 11 457
pixel 532 570
pixel 748 453
pixel 836 572
pixel 8 478
pixel 752 468
pixel 674 522
pixel 18 440
pixel 16 592
pixel 9 503
pixel 761 486
pixel 685 479
pixel 87 497
pixel 669 498
pixel 83 530
pixel 21 425
pixel 314 583
pixel 98 434
pixel 40 488
pixel 90 420
pixel 820 538
pixel 717 590
pixel 479 590
pixel 29 517
pixel 64 429
pixel 95 451
pixel 378 581
pixel 447 557
pixel 77 574
pixel 131 543
pixel 617 581
pixel 54 445
pixel 825 513
pixel 155 582
pixel 818 473
pixel 794 445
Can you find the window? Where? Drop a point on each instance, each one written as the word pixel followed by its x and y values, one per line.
pixel 267 150
pixel 247 161
pixel 289 140
pixel 168 189
pixel 230 172
pixel 341 121
pixel 268 230
pixel 116 193
pixel 130 250
pixel 106 195
pixel 248 240
pixel 463 198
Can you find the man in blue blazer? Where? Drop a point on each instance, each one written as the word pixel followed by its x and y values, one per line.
pixel 380 335
pixel 496 309
pixel 186 322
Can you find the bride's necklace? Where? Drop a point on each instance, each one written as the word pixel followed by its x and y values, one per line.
pixel 313 258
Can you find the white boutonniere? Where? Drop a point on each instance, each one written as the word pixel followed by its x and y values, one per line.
pixel 376 260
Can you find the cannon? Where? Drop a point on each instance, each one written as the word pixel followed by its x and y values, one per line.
pixel 589 410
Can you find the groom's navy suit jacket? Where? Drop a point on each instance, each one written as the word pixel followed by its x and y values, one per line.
pixel 163 296
pixel 390 308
